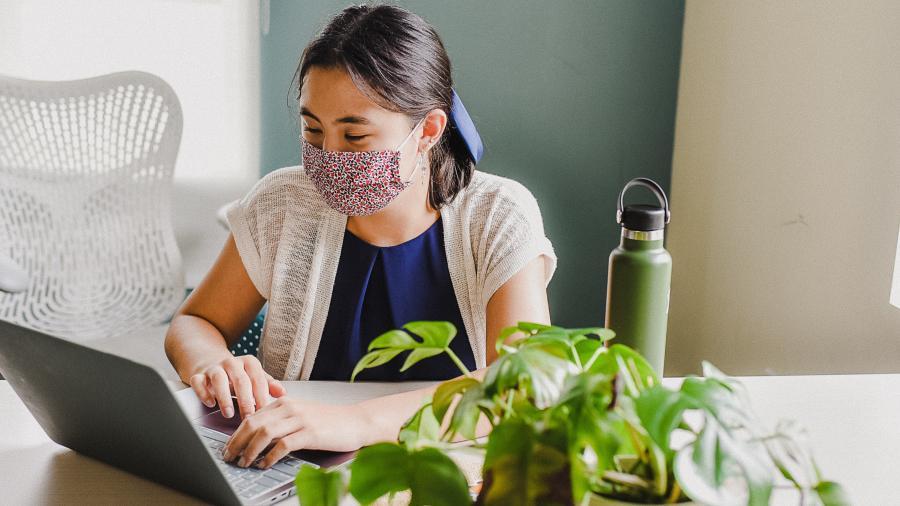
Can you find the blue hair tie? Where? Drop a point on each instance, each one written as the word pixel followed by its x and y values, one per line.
pixel 460 119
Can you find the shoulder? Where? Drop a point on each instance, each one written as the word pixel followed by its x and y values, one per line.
pixel 258 220
pixel 489 196
pixel 501 224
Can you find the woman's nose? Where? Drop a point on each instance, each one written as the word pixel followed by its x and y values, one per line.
pixel 333 143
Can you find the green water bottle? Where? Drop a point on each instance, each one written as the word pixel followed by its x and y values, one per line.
pixel 640 274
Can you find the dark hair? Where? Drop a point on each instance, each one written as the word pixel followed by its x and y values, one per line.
pixel 398 60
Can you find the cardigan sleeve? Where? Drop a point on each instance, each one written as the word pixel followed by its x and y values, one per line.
pixel 256 222
pixel 514 235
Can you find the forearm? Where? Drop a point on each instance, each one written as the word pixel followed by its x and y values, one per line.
pixel 192 343
pixel 385 416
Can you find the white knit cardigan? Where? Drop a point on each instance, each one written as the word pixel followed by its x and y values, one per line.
pixel 290 241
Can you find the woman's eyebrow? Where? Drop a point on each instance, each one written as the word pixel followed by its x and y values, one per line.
pixel 356 120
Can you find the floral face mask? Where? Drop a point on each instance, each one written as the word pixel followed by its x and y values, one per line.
pixel 357 183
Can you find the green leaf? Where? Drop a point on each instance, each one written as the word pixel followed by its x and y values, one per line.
pixel 549 340
pixel 703 466
pixel 660 411
pixel 435 339
pixel 635 371
pixel 393 339
pixel 531 327
pixel 419 354
pixel 789 450
pixel 447 391
pixel 466 414
pixel 588 351
pixel 719 399
pixel 319 487
pixel 504 335
pixel 378 470
pixel 374 359
pixel 601 333
pixel 435 480
pixel 421 428
pixel 832 494
pixel 584 407
pixel 525 467
pixel 538 369
pixel 431 477
pixel 433 334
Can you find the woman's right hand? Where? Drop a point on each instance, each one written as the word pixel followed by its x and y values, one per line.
pixel 242 375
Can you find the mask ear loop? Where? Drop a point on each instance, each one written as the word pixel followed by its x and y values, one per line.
pixel 419 156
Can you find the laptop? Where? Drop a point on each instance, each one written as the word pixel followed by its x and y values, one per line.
pixel 124 414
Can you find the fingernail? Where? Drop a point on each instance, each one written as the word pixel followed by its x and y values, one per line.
pixel 226 455
pixel 209 403
pixel 228 412
pixel 242 462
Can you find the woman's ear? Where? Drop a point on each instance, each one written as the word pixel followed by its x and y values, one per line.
pixel 432 129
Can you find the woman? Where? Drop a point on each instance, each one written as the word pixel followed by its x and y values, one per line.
pixel 386 222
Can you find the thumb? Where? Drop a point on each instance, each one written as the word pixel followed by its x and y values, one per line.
pixel 276 389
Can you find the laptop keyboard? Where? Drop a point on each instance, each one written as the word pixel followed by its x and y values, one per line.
pixel 250 482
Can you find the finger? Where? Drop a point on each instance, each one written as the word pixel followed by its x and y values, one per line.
pixel 258 382
pixel 266 435
pixel 199 384
pixel 218 380
pixel 242 388
pixel 245 431
pixel 285 445
pixel 276 389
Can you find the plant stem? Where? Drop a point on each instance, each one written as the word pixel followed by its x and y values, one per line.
pixel 509 401
pixel 458 362
pixel 676 492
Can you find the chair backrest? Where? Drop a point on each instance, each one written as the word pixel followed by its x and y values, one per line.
pixel 86 171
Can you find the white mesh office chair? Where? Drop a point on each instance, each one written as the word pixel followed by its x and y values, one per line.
pixel 86 172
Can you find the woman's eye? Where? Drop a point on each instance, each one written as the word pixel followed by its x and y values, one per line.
pixel 355 138
pixel 311 130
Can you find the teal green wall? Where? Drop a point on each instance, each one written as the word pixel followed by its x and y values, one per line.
pixel 572 98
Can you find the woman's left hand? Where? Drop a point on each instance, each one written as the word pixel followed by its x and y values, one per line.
pixel 295 424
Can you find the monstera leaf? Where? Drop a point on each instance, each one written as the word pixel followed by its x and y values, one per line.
pixel 539 369
pixel 703 467
pixel 433 339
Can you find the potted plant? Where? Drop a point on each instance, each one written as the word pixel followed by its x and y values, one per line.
pixel 573 420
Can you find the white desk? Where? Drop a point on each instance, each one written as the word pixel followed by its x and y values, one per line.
pixel 854 425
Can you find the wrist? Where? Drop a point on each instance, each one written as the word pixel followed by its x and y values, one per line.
pixel 370 428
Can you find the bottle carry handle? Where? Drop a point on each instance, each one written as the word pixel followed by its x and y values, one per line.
pixel 646 183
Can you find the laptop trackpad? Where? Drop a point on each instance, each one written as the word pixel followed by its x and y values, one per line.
pixel 215 421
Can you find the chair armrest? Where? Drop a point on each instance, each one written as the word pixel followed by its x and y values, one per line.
pixel 13 279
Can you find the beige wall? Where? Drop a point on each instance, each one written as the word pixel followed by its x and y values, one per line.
pixel 786 188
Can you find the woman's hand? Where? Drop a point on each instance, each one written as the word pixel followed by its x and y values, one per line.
pixel 294 424
pixel 244 376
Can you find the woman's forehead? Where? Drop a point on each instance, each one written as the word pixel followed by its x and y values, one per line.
pixel 330 94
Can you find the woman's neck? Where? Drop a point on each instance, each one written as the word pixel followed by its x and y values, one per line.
pixel 394 224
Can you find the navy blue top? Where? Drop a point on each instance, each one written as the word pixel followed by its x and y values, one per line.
pixel 377 289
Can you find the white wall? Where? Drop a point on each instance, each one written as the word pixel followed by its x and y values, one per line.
pixel 208 50
pixel 786 188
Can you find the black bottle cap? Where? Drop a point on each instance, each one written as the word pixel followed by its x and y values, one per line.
pixel 643 217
